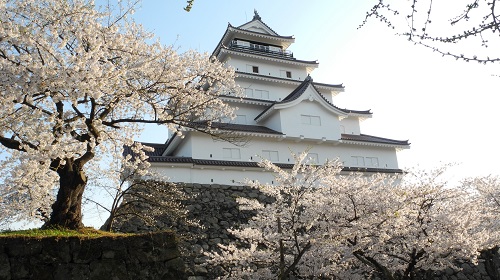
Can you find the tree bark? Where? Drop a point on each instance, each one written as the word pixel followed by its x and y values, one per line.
pixel 67 209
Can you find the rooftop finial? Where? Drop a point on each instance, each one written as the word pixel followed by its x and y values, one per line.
pixel 256 15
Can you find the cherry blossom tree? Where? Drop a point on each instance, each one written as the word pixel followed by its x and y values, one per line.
pixel 134 192
pixel 285 237
pixel 467 30
pixel 78 82
pixel 488 189
pixel 420 224
pixel 327 224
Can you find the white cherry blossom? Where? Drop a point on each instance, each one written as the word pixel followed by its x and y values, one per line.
pixel 77 83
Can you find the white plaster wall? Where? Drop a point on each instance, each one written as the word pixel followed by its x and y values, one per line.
pixel 267 67
pixel 277 91
pixel 387 157
pixel 292 122
pixel 231 176
pixel 204 175
pixel 351 125
pixel 204 145
pixel 250 111
pixel 174 173
pixel 273 122
pixel 185 149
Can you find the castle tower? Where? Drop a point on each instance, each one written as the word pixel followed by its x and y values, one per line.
pixel 283 109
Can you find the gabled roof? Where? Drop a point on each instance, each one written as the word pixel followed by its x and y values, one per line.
pixel 269 35
pixel 352 138
pixel 257 20
pixel 299 91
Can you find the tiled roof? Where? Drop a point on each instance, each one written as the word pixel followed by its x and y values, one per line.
pixel 248 99
pixel 373 139
pixel 158 149
pixel 296 93
pixel 340 86
pixel 259 19
pixel 239 127
pixel 156 156
pixel 268 54
pixel 249 164
pixel 245 128
pixel 372 170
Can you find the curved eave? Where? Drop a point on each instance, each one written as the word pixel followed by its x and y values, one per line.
pixel 309 65
pixel 329 87
pixel 279 106
pixel 246 133
pixel 371 170
pixel 283 41
pixel 374 144
pixel 264 114
pixel 360 115
pixel 172 144
pixel 251 101
pixel 320 99
pixel 256 134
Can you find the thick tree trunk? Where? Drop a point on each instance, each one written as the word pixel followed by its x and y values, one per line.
pixel 67 210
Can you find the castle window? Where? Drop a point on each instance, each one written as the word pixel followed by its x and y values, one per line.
pixel 252 68
pixel 249 92
pixel 358 161
pixel 310 120
pixel 371 161
pixel 261 94
pixel 286 74
pixel 270 155
pixel 231 153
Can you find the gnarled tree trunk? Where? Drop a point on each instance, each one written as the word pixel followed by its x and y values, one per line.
pixel 67 209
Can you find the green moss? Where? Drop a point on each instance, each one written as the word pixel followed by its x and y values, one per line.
pixel 61 232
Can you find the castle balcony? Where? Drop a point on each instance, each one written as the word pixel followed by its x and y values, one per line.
pixel 261 49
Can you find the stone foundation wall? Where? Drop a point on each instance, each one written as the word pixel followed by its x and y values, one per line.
pixel 145 256
pixel 216 208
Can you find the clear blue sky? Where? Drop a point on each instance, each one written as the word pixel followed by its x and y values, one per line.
pixel 446 108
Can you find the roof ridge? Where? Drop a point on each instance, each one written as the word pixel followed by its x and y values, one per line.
pixel 256 17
